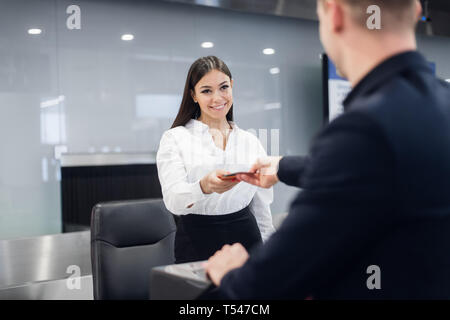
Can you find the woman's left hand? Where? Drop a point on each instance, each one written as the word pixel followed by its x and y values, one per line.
pixel 213 183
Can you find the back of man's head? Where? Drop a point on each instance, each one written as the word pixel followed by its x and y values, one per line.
pixel 358 34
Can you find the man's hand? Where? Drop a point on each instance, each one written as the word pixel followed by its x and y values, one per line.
pixel 225 260
pixel 265 172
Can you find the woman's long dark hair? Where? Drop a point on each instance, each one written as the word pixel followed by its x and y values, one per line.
pixel 188 108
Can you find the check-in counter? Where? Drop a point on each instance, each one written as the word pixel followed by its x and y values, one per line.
pixel 185 281
pixel 46 267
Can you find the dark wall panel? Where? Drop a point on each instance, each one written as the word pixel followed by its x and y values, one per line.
pixel 84 187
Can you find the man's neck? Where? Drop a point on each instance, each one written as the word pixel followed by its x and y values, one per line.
pixel 358 63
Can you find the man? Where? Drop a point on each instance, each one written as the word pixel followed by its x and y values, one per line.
pixel 373 218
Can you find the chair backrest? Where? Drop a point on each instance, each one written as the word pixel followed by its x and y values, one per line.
pixel 128 238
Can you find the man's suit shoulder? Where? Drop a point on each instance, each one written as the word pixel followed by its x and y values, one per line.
pixel 407 96
pixel 398 107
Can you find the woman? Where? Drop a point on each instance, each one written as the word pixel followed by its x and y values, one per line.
pixel 203 145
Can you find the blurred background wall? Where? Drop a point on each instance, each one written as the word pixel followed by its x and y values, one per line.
pixel 91 91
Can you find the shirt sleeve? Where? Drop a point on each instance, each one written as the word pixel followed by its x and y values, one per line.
pixel 179 195
pixel 260 205
pixel 291 169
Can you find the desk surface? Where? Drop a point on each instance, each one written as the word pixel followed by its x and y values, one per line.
pixel 44 258
pixel 51 290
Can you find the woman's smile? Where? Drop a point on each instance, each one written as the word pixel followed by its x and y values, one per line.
pixel 218 107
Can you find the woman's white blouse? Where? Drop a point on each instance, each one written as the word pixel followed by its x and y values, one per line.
pixel 187 153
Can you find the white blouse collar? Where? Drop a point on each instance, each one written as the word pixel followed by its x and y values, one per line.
pixel 193 123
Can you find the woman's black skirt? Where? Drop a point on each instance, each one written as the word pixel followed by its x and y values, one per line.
pixel 199 236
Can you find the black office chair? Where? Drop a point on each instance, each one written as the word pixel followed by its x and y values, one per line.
pixel 128 238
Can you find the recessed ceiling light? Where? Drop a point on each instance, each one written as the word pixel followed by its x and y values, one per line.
pixel 268 51
pixel 448 80
pixel 207 44
pixel 274 70
pixel 34 31
pixel 127 37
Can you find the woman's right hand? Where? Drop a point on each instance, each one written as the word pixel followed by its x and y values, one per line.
pixel 212 183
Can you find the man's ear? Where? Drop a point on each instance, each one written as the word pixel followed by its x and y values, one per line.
pixel 336 12
pixel 419 10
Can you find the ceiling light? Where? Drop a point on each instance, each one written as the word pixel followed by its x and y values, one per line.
pixel 207 44
pixel 274 70
pixel 34 31
pixel 127 37
pixel 268 51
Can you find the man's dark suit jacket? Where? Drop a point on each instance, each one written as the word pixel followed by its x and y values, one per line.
pixel 376 192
